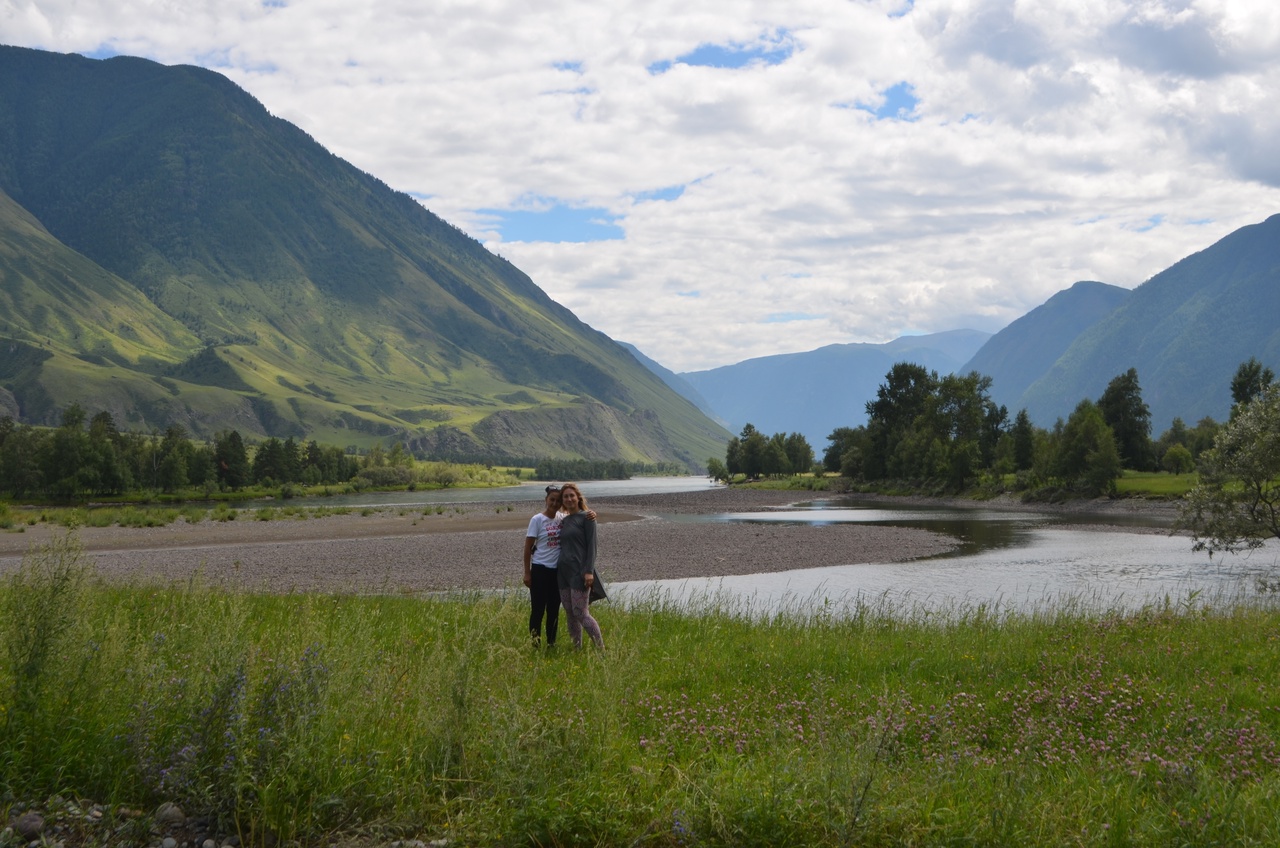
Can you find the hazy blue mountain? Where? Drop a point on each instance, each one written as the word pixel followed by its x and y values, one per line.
pixel 1024 351
pixel 1185 330
pixel 171 252
pixel 677 383
pixel 815 392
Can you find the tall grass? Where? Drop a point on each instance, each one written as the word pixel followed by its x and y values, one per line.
pixel 303 716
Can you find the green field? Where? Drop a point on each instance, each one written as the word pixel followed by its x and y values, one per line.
pixel 358 719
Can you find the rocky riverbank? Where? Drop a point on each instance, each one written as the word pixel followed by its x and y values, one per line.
pixel 478 546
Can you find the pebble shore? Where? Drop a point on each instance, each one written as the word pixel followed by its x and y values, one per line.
pixel 476 546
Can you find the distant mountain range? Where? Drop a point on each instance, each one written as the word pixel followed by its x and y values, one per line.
pixel 815 392
pixel 1185 330
pixel 172 253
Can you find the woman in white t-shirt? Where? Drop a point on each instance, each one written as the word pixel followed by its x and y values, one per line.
pixel 541 553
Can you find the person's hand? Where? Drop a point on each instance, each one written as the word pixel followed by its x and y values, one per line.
pixel 589 579
pixel 528 580
pixel 590 514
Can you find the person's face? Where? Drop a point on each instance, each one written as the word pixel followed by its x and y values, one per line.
pixel 553 500
pixel 569 499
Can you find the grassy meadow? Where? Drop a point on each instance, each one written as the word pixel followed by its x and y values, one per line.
pixel 358 720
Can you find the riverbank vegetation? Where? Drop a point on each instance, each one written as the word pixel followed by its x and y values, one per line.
pixel 86 459
pixel 934 435
pixel 303 718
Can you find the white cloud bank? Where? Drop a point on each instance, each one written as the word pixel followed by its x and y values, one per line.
pixel 1048 141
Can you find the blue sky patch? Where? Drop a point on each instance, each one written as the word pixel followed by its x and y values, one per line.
pixel 906 7
pixel 102 51
pixel 899 104
pixel 668 193
pixel 557 223
pixel 1152 222
pixel 776 50
pixel 788 317
pixel 575 67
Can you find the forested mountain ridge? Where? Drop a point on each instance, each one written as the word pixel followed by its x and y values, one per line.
pixel 1186 330
pixel 287 292
pixel 1024 351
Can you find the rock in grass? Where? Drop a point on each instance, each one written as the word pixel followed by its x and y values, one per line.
pixel 170 815
pixel 29 825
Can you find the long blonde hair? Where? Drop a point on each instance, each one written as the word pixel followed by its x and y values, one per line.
pixel 582 499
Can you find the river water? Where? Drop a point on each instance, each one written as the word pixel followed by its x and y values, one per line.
pixel 1007 561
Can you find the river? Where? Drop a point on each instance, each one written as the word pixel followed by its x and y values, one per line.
pixel 1008 561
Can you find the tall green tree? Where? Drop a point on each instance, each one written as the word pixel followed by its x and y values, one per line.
pixel 231 460
pixel 1250 380
pixel 799 453
pixel 899 401
pixel 1088 458
pixel 1023 434
pixel 1129 418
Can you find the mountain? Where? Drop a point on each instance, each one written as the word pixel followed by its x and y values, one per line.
pixel 815 392
pixel 677 383
pixel 172 253
pixel 1185 330
pixel 1022 352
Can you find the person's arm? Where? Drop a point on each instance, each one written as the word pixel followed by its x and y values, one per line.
pixel 588 553
pixel 529 542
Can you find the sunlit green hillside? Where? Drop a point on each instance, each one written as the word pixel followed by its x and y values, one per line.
pixel 172 252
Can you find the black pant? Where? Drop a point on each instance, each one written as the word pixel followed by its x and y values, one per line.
pixel 544 593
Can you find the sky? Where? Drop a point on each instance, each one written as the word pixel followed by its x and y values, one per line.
pixel 721 180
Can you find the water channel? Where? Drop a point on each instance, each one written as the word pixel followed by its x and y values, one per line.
pixel 1007 561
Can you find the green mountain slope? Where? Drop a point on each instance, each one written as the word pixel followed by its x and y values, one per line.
pixel 295 286
pixel 1185 330
pixel 1022 352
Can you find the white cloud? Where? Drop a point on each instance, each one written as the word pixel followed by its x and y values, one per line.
pixel 1047 137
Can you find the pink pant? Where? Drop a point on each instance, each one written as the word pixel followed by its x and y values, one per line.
pixel 577 613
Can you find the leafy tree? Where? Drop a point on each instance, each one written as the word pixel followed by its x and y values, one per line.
pixel 716 470
pixel 774 462
pixel 1088 458
pixel 900 399
pixel 840 440
pixel 1129 418
pixel 64 457
pixel 1250 380
pixel 733 457
pixel 269 465
pixel 754 445
pixel 1178 460
pixel 231 460
pixel 19 466
pixel 799 453
pixel 172 459
pixel 1236 506
pixel 1023 434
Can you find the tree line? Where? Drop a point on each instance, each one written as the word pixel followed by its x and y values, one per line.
pixel 946 433
pixel 92 457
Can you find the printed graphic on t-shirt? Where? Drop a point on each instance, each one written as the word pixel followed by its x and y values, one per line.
pixel 553 534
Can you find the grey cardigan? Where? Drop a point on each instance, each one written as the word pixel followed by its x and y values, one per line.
pixel 577 552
